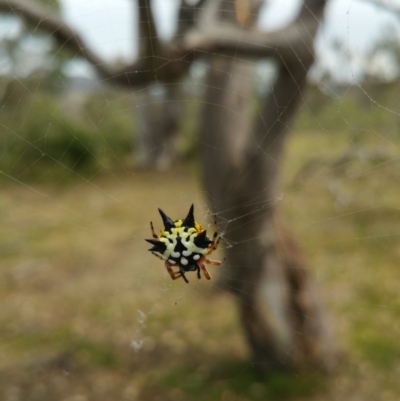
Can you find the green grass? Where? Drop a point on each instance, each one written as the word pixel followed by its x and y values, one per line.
pixel 83 350
pixel 381 350
pixel 235 377
pixel 41 142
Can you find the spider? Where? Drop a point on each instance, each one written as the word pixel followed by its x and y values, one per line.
pixel 184 244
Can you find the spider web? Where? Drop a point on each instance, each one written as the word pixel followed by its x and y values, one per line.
pixel 88 313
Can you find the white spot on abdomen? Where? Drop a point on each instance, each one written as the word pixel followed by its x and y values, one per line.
pixel 171 261
pixel 186 253
pixel 184 261
pixel 176 254
pixel 196 257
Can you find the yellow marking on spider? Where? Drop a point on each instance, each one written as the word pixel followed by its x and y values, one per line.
pixel 178 223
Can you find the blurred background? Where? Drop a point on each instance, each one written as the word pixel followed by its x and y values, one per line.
pixel 88 153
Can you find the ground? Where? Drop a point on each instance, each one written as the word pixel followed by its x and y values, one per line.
pixel 88 314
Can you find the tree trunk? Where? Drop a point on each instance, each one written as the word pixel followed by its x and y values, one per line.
pixel 158 118
pixel 279 310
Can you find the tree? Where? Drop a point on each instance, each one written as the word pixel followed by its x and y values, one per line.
pixel 280 312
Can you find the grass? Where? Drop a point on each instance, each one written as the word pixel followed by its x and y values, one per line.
pixel 77 287
pixel 239 379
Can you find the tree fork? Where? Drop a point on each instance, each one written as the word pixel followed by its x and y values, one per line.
pixel 280 312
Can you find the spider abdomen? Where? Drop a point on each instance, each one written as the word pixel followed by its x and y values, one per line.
pixel 181 249
pixel 185 245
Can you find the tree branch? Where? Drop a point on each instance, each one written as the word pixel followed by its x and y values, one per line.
pixel 170 61
pixel 290 42
pixel 209 12
pixel 187 15
pixel 149 44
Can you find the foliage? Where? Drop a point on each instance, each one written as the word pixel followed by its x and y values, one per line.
pixel 367 107
pixel 48 137
pixel 12 49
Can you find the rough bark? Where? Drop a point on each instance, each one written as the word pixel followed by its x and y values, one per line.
pixel 280 312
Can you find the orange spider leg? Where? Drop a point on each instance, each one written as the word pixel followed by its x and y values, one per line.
pixel 213 262
pixel 173 275
pixel 217 243
pixel 152 230
pixel 213 247
pixel 205 271
pixel 215 238
pixel 158 256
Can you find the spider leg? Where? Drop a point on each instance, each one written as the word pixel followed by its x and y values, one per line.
pixel 215 239
pixel 173 275
pixel 217 243
pixel 198 272
pixel 183 276
pixel 213 262
pixel 215 235
pixel 213 247
pixel 205 271
pixel 152 230
pixel 158 256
